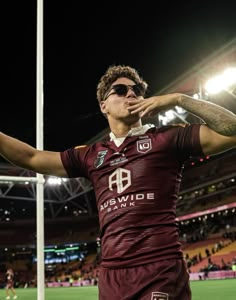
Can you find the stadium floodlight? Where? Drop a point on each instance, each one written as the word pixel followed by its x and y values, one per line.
pixel 52 180
pixel 163 119
pixel 180 110
pixel 170 115
pixel 221 82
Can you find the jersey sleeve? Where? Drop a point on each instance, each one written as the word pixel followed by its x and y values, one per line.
pixel 187 141
pixel 74 160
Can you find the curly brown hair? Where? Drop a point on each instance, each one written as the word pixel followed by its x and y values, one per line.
pixel 112 74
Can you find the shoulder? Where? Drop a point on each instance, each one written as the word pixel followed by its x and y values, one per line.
pixel 168 128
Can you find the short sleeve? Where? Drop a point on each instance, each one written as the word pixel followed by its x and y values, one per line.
pixel 73 161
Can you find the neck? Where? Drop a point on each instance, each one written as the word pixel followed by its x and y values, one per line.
pixel 121 129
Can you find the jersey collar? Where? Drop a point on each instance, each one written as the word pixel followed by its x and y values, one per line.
pixel 132 132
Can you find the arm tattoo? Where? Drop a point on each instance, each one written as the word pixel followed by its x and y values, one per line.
pixel 216 117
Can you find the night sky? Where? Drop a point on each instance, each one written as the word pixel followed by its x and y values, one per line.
pixel 161 40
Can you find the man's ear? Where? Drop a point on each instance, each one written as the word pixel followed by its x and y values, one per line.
pixel 103 107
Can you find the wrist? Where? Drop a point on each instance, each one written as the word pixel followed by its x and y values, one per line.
pixel 178 100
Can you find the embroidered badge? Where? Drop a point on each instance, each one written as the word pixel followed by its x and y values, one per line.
pixel 144 146
pixel 100 158
pixel 159 296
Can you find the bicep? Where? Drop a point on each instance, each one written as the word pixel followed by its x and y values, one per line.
pixel 48 163
pixel 213 142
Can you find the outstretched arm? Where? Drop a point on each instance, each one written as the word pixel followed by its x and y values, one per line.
pixel 219 133
pixel 27 157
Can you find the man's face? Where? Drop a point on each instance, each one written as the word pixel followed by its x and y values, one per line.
pixel 115 102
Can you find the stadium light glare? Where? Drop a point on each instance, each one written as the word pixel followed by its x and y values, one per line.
pixel 221 82
pixel 170 114
pixel 180 110
pixel 54 181
pixel 163 119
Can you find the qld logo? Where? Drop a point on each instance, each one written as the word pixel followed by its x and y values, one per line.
pixel 144 146
pixel 159 296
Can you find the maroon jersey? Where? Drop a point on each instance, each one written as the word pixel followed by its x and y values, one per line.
pixel 136 187
pixel 9 279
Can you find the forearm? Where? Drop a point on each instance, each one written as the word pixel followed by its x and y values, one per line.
pixel 15 151
pixel 216 117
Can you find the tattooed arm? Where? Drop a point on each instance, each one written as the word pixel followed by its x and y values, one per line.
pixel 219 132
pixel 216 117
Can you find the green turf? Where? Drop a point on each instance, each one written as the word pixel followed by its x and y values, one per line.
pixel 69 293
pixel 214 289
pixel 201 290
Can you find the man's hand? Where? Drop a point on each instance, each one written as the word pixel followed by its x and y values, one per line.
pixel 153 105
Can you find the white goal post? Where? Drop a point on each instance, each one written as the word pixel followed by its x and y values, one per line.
pixel 39 179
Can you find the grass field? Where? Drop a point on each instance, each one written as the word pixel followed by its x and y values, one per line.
pixel 201 290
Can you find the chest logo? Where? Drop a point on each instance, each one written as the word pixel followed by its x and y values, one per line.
pixel 120 180
pixel 144 146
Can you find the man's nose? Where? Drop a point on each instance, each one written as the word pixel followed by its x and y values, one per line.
pixel 130 92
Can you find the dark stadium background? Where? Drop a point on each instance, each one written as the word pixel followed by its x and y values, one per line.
pixel 173 47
